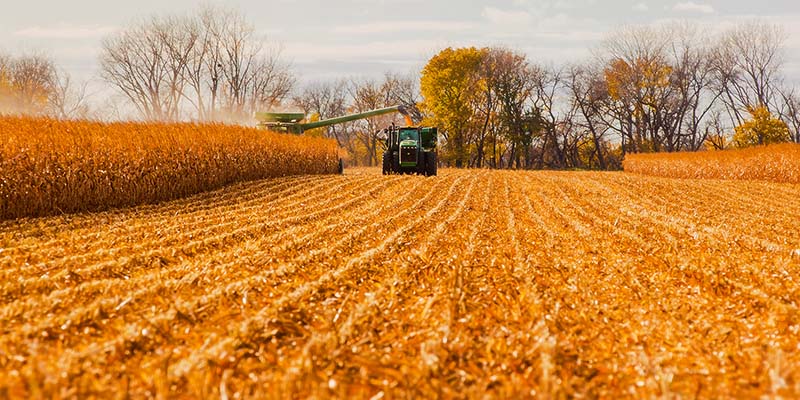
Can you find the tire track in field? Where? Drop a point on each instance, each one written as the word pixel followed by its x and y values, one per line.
pixel 401 294
pixel 99 285
pixel 540 279
pixel 175 316
pixel 279 212
pixel 367 310
pixel 257 322
pixel 646 204
pixel 468 324
pixel 83 227
pixel 99 242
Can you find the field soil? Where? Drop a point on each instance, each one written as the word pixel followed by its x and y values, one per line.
pixel 472 283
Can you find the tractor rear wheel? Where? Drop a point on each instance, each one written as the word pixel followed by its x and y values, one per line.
pixel 430 164
pixel 387 163
pixel 422 164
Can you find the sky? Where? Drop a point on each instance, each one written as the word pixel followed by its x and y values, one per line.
pixel 325 40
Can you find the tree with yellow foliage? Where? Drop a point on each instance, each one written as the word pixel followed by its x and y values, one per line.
pixel 448 84
pixel 640 90
pixel 763 128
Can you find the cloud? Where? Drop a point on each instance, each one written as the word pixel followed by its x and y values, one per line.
pixel 65 31
pixel 567 27
pixel 502 17
pixel 572 4
pixel 404 27
pixel 304 51
pixel 641 7
pixel 271 32
pixel 690 6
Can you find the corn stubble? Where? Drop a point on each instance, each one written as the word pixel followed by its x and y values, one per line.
pixel 49 167
pixel 474 283
pixel 775 163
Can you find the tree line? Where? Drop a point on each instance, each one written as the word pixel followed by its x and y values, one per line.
pixel 669 88
pixel 645 89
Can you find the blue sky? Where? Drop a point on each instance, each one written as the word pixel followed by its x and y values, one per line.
pixel 338 39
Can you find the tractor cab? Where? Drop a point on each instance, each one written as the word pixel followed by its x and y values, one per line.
pixel 406 140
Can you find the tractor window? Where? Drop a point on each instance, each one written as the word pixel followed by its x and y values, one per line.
pixel 409 134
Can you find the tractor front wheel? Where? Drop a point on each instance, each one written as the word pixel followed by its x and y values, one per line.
pixel 396 163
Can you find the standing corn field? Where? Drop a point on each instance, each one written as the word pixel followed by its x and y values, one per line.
pixel 49 167
pixel 776 163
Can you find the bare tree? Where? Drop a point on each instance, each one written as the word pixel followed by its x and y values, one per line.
pixel 547 82
pixel 402 88
pixel 366 95
pixel 638 75
pixel 271 84
pixel 748 61
pixel 6 84
pixel 213 62
pixel 513 83
pixel 587 90
pixel 789 111
pixel 68 101
pixel 240 60
pixel 661 86
pixel 201 83
pixel 487 107
pixel 694 95
pixel 327 100
pixel 137 63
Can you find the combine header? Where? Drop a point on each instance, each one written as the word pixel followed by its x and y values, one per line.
pixel 409 149
pixel 291 122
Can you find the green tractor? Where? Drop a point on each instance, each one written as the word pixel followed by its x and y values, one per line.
pixel 410 150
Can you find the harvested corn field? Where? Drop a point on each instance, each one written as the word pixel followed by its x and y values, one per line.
pixel 510 284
